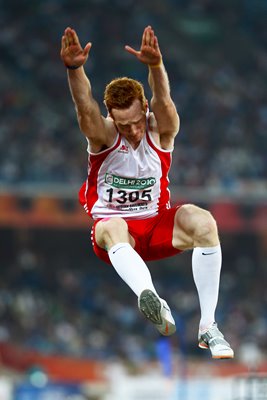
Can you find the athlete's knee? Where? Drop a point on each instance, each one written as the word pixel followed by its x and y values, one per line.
pixel 111 225
pixel 111 230
pixel 197 222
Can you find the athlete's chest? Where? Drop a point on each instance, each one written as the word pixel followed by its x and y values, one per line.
pixel 133 162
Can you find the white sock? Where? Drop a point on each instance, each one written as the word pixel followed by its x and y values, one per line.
pixel 131 268
pixel 206 265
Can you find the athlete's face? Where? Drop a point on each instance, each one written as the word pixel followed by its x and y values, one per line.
pixel 131 122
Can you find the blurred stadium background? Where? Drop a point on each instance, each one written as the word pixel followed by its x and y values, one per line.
pixel 69 328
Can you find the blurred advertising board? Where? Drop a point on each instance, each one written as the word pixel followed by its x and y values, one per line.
pixel 51 391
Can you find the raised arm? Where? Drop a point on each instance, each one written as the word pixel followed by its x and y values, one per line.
pixel 162 104
pixel 99 130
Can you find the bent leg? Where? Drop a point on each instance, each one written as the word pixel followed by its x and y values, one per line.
pixel 196 228
pixel 112 234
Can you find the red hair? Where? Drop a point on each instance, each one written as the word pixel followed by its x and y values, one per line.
pixel 121 92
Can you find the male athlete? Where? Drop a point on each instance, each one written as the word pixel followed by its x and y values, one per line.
pixel 126 192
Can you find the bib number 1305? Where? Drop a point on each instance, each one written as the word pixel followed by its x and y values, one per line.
pixel 129 196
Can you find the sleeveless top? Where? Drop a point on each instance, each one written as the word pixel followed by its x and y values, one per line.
pixel 126 182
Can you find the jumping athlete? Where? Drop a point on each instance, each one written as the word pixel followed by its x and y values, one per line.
pixel 126 192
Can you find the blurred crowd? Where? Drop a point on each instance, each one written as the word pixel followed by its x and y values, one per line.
pixel 56 297
pixel 215 54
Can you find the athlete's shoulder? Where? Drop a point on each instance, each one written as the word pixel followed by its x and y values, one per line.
pixel 98 143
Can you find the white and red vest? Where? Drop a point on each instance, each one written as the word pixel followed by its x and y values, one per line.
pixel 127 183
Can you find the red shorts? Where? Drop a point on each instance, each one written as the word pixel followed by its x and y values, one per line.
pixel 153 237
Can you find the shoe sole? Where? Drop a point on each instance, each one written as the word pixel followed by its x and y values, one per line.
pixel 203 346
pixel 223 357
pixel 220 357
pixel 150 306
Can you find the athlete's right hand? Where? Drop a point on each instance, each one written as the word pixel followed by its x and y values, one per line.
pixel 72 53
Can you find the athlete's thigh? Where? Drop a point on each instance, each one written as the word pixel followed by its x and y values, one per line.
pixel 161 242
pixel 188 220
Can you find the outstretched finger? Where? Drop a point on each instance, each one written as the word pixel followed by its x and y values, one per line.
pixel 156 43
pixel 145 38
pixel 87 49
pixel 149 36
pixel 71 38
pixel 63 43
pixel 131 50
pixel 75 37
pixel 68 36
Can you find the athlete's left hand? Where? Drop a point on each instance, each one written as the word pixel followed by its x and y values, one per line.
pixel 149 52
pixel 72 53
